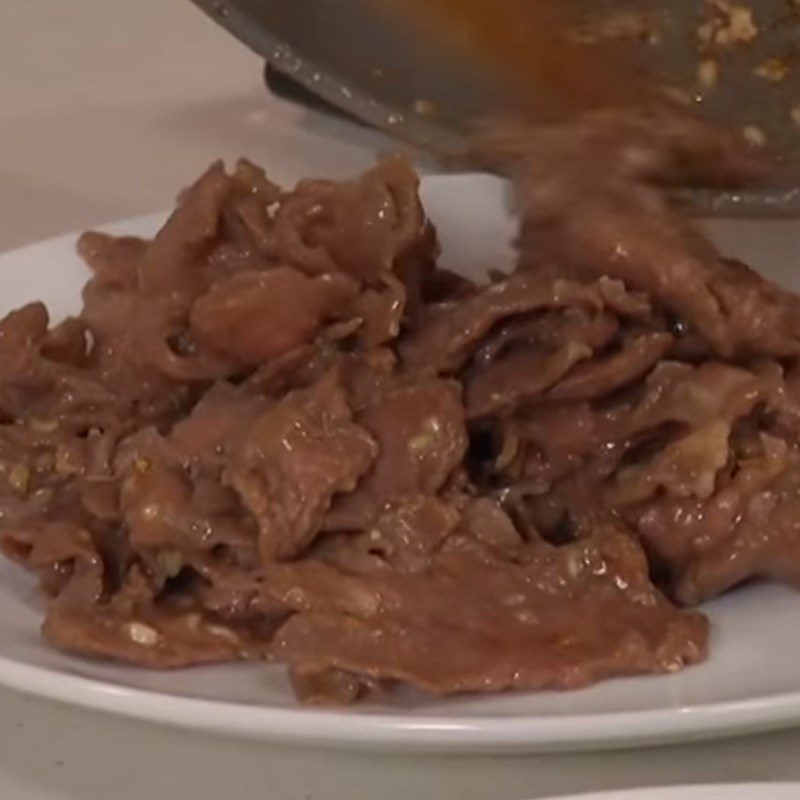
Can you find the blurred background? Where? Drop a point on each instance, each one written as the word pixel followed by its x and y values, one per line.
pixel 107 109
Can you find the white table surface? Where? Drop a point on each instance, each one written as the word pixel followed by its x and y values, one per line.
pixel 106 109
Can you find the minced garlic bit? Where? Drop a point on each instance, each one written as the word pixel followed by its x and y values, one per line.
pixel 754 136
pixel 741 28
pixel 170 562
pixel 221 632
pixel 20 478
pixel 795 115
pixel 65 463
pixel 141 465
pixel 142 634
pixel 729 24
pixel 773 70
pixel 575 563
pixel 431 429
pixel 708 73
pixel 510 447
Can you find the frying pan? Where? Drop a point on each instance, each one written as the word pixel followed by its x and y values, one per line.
pixel 378 69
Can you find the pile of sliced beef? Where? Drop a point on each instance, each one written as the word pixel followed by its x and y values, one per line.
pixel 280 431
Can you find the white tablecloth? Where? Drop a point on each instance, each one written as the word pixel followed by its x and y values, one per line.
pixel 106 109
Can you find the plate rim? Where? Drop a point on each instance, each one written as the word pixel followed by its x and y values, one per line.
pixel 573 733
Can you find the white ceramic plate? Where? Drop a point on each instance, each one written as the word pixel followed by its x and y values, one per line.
pixel 750 683
pixel 744 791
